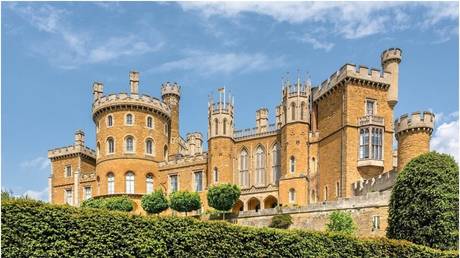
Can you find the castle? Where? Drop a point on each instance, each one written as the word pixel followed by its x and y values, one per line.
pixel 327 143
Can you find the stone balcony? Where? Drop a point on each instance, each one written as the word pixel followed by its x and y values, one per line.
pixel 370 167
pixel 371 120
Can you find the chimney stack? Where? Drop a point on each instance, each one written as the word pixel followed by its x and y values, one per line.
pixel 134 82
pixel 79 138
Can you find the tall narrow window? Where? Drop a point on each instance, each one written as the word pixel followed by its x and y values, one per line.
pixel 129 142
pixel 110 145
pixel 109 121
pixel 225 126
pixel 370 107
pixel 292 195
pixel 149 183
pixel 69 196
pixel 326 193
pixel 87 192
pixel 293 111
pixel 376 143
pixel 198 181
pixel 364 143
pixel 129 182
pixel 149 146
pixel 337 189
pixel 260 166
pixel 165 153
pixel 166 128
pixel 375 223
pixel 292 165
pixel 313 165
pixel 110 183
pixel 129 119
pixel 302 111
pixel 216 125
pixel 149 122
pixel 68 171
pixel 98 150
pixel 215 175
pixel 276 163
pixel 173 183
pixel 244 174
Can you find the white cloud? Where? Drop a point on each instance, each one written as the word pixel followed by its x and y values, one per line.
pixel 445 137
pixel 69 48
pixel 317 44
pixel 37 195
pixel 40 163
pixel 207 63
pixel 348 19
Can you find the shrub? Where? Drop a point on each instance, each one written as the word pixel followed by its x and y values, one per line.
pixel 424 202
pixel 94 203
pixel 31 229
pixel 155 202
pixel 222 197
pixel 119 203
pixel 341 222
pixel 185 201
pixel 281 221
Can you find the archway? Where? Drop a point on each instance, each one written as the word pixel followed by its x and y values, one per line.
pixel 254 204
pixel 270 202
pixel 239 206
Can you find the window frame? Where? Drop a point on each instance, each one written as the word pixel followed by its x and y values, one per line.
pixel 110 120
pixel 195 183
pixel 108 145
pixel 292 195
pixel 130 182
pixel 132 119
pixel 374 107
pixel 292 165
pixel 66 192
pixel 176 176
pixel 68 168
pixel 152 148
pixel 149 181
pixel 126 144
pixel 147 118
pixel 85 196
pixel 110 183
pixel 371 142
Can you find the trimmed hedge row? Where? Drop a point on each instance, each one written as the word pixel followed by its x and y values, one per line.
pixel 34 229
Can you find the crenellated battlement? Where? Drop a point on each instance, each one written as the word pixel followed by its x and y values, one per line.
pixel 170 88
pixel 221 107
pixel 71 150
pixel 124 100
pixel 392 54
pixel 379 183
pixel 182 161
pixel 415 121
pixel 194 135
pixel 360 74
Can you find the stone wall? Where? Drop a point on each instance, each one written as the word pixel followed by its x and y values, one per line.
pixel 315 216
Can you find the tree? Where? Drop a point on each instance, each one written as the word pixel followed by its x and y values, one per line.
pixel 185 201
pixel 222 197
pixel 155 202
pixel 120 203
pixel 424 202
pixel 281 221
pixel 94 203
pixel 342 222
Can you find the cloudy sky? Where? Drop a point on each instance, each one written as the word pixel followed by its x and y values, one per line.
pixel 52 52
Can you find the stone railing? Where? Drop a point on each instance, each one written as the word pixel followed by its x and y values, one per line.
pixel 371 120
pixel 253 132
pixel 259 189
pixel 185 160
pixel 88 176
pixel 133 99
pixel 70 150
pixel 375 199
pixel 373 76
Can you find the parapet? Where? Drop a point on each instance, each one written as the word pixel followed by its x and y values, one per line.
pixel 170 88
pixel 71 151
pixel 359 74
pixel 415 121
pixel 123 100
pixel 392 54
pixel 194 135
pixel 379 183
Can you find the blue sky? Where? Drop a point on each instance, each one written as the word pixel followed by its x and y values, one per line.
pixel 53 51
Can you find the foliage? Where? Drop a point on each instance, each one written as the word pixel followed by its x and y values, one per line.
pixel 281 221
pixel 6 195
pixel 155 202
pixel 222 197
pixel 32 229
pixel 341 222
pixel 119 203
pixel 424 202
pixel 185 201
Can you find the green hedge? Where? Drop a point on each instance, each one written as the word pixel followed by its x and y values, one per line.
pixel 32 229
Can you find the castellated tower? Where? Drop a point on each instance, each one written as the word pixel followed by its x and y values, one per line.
pixel 262 120
pixel 194 143
pixel 413 133
pixel 293 118
pixel 220 140
pixel 170 93
pixel 390 63
pixel 131 139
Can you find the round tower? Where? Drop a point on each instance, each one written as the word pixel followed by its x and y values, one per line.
pixel 170 93
pixel 220 140
pixel 390 59
pixel 131 137
pixel 413 133
pixel 294 119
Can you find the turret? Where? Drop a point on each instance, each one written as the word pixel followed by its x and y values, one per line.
pixel 79 138
pixel 194 143
pixel 220 116
pixel 413 133
pixel 98 90
pixel 295 106
pixel 390 59
pixel 262 120
pixel 134 82
pixel 170 93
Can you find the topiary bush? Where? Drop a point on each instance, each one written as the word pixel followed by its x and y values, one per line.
pixel 155 202
pixel 424 202
pixel 119 203
pixel 341 222
pixel 94 203
pixel 282 221
pixel 185 201
pixel 32 229
pixel 222 197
